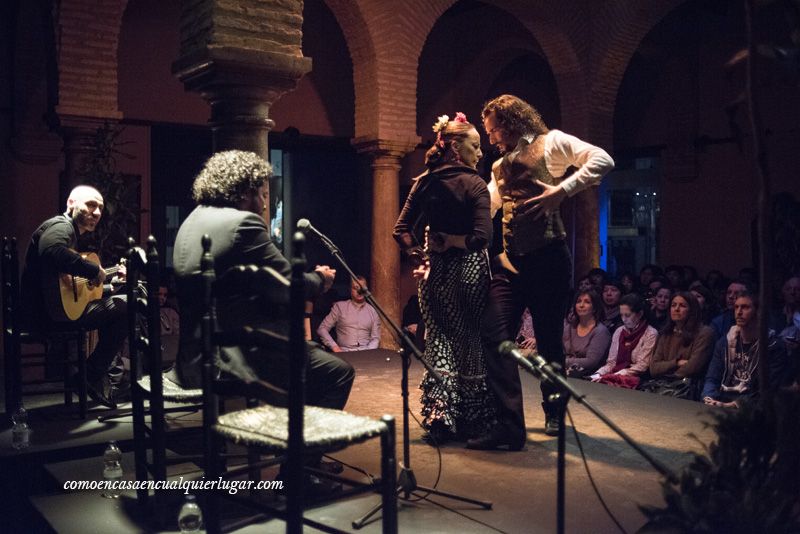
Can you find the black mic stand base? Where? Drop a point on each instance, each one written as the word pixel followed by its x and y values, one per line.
pixel 406 480
pixel 407 485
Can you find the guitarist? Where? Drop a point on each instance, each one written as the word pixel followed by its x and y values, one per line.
pixel 51 252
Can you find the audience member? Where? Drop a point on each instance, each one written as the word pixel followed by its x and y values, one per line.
pixel 790 303
pixel 707 302
pixel 647 274
pixel 357 324
pixel 749 277
pixel 682 351
pixel 585 338
pixel 598 278
pixel 659 307
pixel 612 294
pixel 722 323
pixel 412 317
pixel 584 284
pixel 716 282
pixel 674 275
pixel 631 346
pixel 628 281
pixel 413 322
pixel 733 373
pixel 714 279
pixel 791 338
pixel 690 275
pixel 526 337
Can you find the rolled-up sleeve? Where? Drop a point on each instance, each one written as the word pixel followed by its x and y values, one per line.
pixel 563 151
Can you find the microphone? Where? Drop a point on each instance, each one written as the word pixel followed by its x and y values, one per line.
pixel 304 225
pixel 509 348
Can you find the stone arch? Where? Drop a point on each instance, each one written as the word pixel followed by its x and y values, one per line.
pixel 627 26
pixel 385 42
pixel 561 54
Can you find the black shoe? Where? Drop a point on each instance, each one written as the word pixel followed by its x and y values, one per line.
pixel 100 391
pixel 317 487
pixel 551 426
pixel 438 434
pixel 313 486
pixel 333 467
pixel 494 440
pixel 121 393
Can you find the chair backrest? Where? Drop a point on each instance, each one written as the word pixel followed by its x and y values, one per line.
pixel 142 281
pixel 10 273
pixel 280 292
pixel 11 345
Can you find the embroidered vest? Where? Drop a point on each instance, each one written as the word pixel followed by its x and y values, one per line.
pixel 516 176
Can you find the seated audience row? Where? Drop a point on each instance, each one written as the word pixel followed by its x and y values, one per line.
pixel 676 359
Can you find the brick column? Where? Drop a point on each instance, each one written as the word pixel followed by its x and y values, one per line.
pixel 241 57
pixel 79 134
pixel 587 231
pixel 385 255
pixel 598 131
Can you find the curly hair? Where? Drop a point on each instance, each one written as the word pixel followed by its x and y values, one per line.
pixel 515 115
pixel 228 176
pixel 438 154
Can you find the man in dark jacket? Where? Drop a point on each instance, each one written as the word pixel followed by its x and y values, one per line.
pixel 231 192
pixel 51 253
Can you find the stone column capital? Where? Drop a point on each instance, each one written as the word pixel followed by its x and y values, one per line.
pixel 256 73
pixel 70 123
pixel 381 149
pixel 240 85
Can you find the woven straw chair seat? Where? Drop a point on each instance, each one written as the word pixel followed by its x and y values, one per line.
pixel 323 428
pixel 172 391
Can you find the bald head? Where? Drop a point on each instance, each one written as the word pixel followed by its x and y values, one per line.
pixel 85 207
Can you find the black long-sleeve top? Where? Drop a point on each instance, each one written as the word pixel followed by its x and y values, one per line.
pixel 453 200
pixel 51 251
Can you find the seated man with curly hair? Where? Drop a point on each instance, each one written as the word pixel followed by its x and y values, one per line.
pixel 231 192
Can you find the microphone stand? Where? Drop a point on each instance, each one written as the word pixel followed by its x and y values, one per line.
pixel 406 480
pixel 543 370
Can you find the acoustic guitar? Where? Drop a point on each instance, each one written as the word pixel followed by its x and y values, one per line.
pixel 76 292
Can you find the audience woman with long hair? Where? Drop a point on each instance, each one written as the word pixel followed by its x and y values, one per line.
pixel 683 350
pixel 586 339
pixel 631 346
pixel 453 200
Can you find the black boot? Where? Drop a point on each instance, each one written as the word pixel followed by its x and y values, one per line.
pixel 550 419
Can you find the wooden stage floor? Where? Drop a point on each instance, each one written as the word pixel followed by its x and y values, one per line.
pixel 521 485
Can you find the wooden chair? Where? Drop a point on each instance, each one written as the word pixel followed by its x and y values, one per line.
pixel 273 429
pixel 15 337
pixel 150 440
